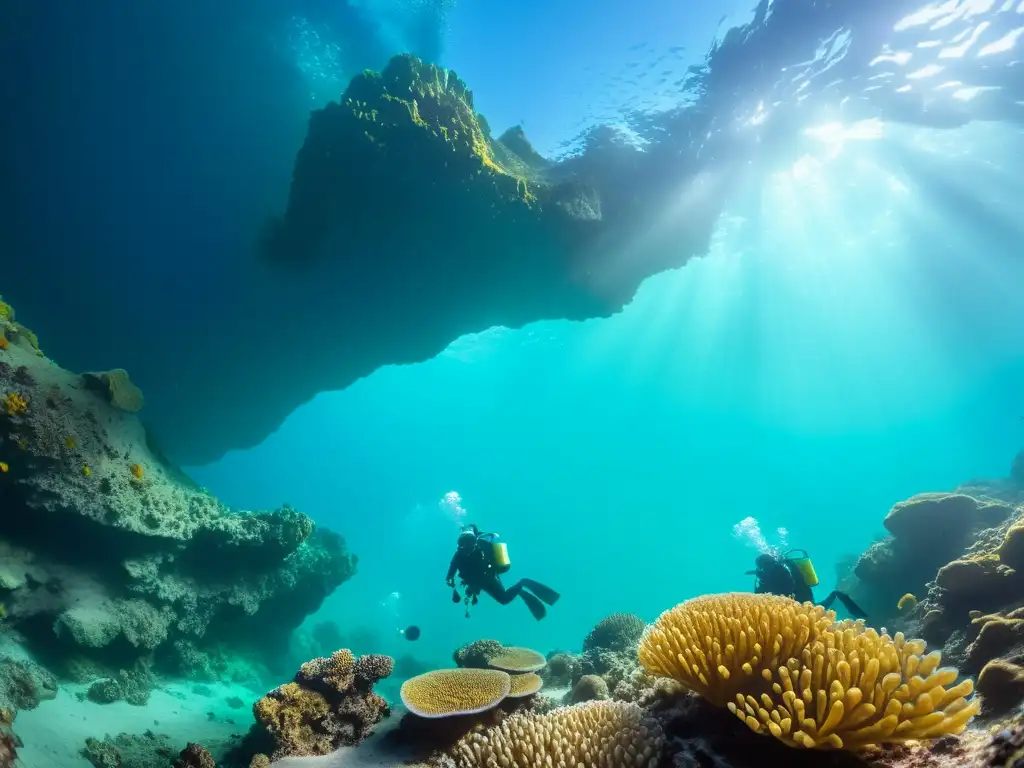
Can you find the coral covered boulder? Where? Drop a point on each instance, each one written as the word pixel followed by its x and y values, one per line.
pixel 145 561
pixel 329 704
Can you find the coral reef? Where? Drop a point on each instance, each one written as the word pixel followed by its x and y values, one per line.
pixel 560 669
pixel 329 704
pixel 588 688
pixel 127 750
pixel 194 756
pixel 147 564
pixel 789 669
pixel 589 735
pixel 9 743
pixel 515 660
pixel 24 684
pixel 477 654
pixel 617 632
pixel 927 531
pixel 525 685
pixel 453 692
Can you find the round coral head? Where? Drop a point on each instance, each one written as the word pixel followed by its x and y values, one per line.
pixel 451 692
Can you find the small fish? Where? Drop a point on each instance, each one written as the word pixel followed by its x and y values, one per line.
pixel 3 611
pixel 412 632
pixel 3 467
pixel 86 470
pixel 69 441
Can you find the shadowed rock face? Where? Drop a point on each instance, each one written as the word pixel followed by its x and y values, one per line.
pixel 408 225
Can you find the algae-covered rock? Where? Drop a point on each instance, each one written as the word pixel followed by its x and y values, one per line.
pixel 406 142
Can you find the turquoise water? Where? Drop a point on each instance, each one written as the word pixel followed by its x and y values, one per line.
pixel 808 374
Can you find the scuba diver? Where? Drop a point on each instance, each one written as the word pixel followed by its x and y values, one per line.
pixel 794 576
pixel 479 561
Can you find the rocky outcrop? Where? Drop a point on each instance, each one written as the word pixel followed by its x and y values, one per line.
pixel 963 554
pixel 108 553
pixel 408 225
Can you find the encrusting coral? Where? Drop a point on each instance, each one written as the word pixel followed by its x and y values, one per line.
pixel 595 735
pixel 791 670
pixel 329 704
pixel 453 692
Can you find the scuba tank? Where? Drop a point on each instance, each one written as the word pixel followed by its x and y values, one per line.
pixel 803 565
pixel 499 552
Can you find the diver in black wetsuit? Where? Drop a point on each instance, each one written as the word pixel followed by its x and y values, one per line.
pixel 479 561
pixel 794 577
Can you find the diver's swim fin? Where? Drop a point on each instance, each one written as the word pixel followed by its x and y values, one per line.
pixel 547 594
pixel 851 607
pixel 534 604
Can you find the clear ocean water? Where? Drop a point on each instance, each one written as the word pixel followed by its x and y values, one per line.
pixel 852 337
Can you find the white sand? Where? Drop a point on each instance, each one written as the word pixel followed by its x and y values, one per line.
pixel 375 752
pixel 55 732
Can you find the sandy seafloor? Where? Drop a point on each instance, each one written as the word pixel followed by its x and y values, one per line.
pixel 55 732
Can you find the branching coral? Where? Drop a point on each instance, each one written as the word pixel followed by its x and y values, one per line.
pixel 791 670
pixel 595 735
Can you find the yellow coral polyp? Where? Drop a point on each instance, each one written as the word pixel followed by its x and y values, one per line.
pixel 16 404
pixel 907 603
pixel 790 670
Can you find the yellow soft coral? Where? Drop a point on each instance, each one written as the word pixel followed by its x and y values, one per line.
pixel 16 404
pixel 789 669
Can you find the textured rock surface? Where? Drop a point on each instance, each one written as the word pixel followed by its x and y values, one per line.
pixel 109 553
pixel 407 226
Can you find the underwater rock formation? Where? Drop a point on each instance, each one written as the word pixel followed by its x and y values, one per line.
pixel 108 553
pixel 926 532
pixel 329 704
pixel 127 750
pixel 408 225
pixel 964 552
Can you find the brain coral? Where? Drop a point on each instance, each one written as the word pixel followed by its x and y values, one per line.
pixel 616 632
pixel 517 660
pixel 447 692
pixel 525 685
pixel 606 734
pixel 789 669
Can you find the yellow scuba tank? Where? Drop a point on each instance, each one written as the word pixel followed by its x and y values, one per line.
pixel 804 565
pixel 499 553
